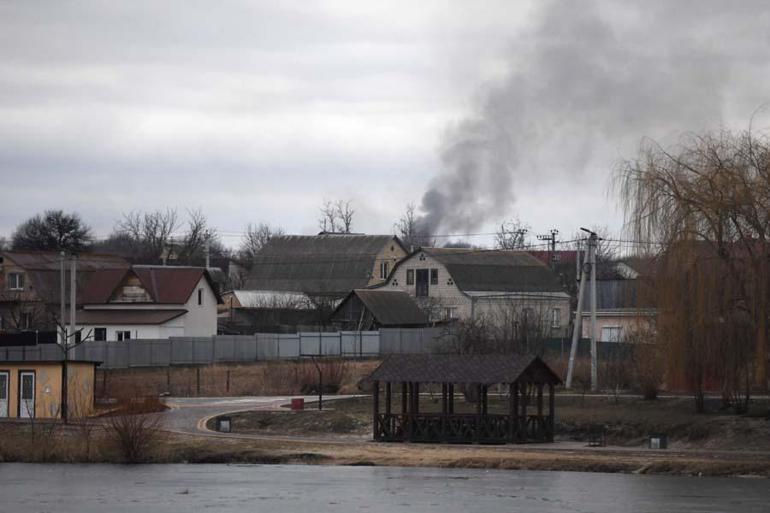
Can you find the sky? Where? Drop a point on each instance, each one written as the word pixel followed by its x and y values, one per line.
pixel 259 111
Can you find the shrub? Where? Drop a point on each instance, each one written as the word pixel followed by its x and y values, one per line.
pixel 133 430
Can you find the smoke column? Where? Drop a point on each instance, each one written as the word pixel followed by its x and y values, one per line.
pixel 584 86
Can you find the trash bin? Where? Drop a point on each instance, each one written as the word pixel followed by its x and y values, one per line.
pixel 224 424
pixel 297 404
pixel 659 441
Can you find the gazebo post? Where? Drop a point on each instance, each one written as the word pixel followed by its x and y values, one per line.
pixel 451 394
pixel 540 423
pixel 484 393
pixel 388 397
pixel 523 418
pixel 416 391
pixel 551 411
pixel 444 405
pixel 513 407
pixel 404 396
pixel 376 409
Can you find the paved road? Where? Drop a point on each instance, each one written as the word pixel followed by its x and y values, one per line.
pixel 189 415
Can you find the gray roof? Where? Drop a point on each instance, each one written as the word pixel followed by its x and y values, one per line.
pixel 390 307
pixel 496 271
pixel 482 369
pixel 332 264
pixel 619 295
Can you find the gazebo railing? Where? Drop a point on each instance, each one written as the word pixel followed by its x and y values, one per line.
pixel 462 428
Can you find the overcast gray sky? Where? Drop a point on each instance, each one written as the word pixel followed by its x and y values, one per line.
pixel 257 111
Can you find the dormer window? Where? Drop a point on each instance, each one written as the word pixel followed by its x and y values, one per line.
pixel 384 269
pixel 15 281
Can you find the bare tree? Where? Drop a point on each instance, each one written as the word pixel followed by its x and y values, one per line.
pixel 345 213
pixel 3 243
pixel 409 231
pixel 146 237
pixel 512 234
pixel 336 216
pixel 54 230
pixel 327 221
pixel 254 239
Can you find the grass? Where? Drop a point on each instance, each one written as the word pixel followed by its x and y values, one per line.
pixel 628 420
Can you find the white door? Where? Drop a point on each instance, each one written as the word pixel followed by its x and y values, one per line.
pixel 4 394
pixel 26 395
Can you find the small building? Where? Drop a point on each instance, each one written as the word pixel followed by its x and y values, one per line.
pixel 149 302
pixel 30 389
pixel 372 309
pixel 510 287
pixel 527 379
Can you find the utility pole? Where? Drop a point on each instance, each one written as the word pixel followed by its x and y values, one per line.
pixel 551 238
pixel 589 270
pixel 208 251
pixel 577 324
pixel 62 299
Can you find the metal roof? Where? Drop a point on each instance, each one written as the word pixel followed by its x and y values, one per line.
pixel 390 307
pixel 165 284
pixel 481 369
pixel 332 264
pixel 495 270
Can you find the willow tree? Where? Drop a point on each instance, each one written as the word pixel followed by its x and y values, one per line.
pixel 706 204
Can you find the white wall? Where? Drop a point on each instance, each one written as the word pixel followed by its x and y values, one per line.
pixel 169 329
pixel 201 320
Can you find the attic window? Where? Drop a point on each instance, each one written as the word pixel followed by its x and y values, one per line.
pixel 434 276
pixel 450 281
pixel 200 297
pixel 422 256
pixel 15 281
pixel 410 276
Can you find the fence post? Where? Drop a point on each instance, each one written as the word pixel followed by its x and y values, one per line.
pixel 213 349
pixel 340 334
pixel 256 347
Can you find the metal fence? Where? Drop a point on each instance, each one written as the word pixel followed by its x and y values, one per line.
pixel 207 350
pixel 271 346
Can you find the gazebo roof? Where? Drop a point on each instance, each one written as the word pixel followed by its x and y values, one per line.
pixel 479 369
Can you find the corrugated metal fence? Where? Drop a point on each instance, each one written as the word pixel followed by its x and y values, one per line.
pixel 221 348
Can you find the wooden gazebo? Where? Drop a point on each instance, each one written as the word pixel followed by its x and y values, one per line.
pixel 527 378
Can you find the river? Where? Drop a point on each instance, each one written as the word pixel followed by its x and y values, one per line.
pixel 289 488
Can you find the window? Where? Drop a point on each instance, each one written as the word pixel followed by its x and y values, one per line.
pixel 410 276
pixel 15 281
pixel 100 334
pixel 555 318
pixel 611 334
pixel 434 276
pixel 450 312
pixel 123 335
pixel 421 288
pixel 384 269
pixel 200 297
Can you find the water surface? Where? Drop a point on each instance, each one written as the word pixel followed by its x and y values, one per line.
pixel 294 488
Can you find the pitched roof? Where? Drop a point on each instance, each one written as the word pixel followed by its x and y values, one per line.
pixel 43 270
pixel 389 307
pixel 496 270
pixel 482 369
pixel 330 264
pixel 165 284
pixel 50 261
pixel 133 316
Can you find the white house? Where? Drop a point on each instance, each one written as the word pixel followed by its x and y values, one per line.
pixel 511 286
pixel 149 302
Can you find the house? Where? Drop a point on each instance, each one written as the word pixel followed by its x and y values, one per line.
pixel 325 265
pixel 625 302
pixel 371 309
pixel 149 302
pixel 30 286
pixel 510 286
pixel 33 389
pixel 245 312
